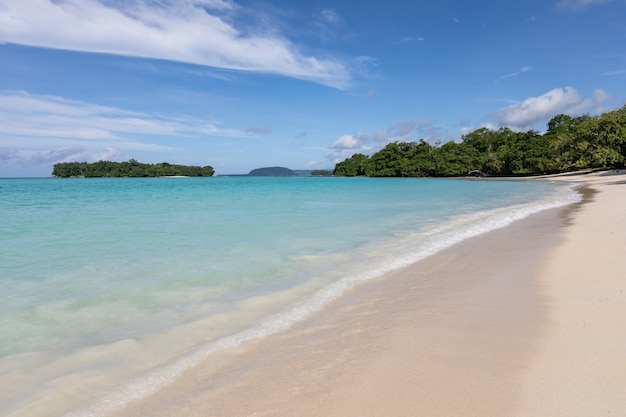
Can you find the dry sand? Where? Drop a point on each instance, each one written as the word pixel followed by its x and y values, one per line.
pixel 525 321
pixel 579 368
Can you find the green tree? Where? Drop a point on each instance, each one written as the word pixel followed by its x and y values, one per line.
pixel 593 142
pixel 531 153
pixel 353 166
pixel 132 168
pixel 207 171
pixel 456 159
pixel 569 143
pixel 321 173
pixel 420 160
pixel 391 161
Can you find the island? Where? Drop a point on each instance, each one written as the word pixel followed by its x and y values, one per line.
pixel 272 172
pixel 131 168
pixel 286 172
pixel 569 144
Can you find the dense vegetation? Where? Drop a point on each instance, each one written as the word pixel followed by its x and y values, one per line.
pixel 321 173
pixel 131 168
pixel 569 144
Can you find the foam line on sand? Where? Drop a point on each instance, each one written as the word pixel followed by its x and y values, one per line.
pixel 529 320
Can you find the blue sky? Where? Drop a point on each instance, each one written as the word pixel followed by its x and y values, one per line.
pixel 303 84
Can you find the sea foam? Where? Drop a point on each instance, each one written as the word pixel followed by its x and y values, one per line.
pixel 395 253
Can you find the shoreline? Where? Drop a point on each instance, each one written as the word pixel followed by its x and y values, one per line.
pixel 579 368
pixel 400 346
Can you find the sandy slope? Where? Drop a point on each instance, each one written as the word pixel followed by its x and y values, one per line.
pixel 579 368
pixel 526 321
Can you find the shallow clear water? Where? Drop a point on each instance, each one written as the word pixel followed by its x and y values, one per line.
pixel 124 283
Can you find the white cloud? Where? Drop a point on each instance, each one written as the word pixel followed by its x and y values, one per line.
pixel 52 117
pixel 534 110
pixel 201 32
pixel 349 144
pixel 75 153
pixel 599 98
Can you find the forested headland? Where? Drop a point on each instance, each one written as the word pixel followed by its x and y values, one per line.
pixel 569 144
pixel 130 168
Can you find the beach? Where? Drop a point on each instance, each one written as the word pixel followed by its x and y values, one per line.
pixel 523 321
pixel 579 368
pixel 214 275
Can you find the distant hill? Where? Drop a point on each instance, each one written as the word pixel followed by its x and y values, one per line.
pixel 302 172
pixel 286 172
pixel 272 172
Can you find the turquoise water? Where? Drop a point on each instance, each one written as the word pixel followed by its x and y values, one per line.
pixel 112 287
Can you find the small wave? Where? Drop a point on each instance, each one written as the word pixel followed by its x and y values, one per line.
pixel 417 246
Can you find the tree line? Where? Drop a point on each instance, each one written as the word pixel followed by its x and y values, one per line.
pixel 131 168
pixel 569 144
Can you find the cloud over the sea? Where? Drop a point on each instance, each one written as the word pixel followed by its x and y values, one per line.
pixel 203 32
pixel 44 129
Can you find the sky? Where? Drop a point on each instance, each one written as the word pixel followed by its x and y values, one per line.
pixel 243 84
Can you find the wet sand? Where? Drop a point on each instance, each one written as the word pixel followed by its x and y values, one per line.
pixel 525 321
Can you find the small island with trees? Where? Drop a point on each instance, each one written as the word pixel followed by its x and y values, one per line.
pixel 131 168
pixel 569 144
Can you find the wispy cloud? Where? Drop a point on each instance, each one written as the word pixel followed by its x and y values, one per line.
pixel 203 32
pixel 535 110
pixel 518 72
pixel 413 39
pixel 330 16
pixel 53 117
pixel 366 143
pixel 614 73
pixel 582 4
pixel 29 162
pixel 40 129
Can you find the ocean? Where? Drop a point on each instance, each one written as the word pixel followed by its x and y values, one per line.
pixel 111 288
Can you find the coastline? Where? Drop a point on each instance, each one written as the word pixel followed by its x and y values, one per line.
pixel 438 345
pixel 579 368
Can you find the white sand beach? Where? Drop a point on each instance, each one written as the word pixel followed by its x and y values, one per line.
pixel 525 321
pixel 579 368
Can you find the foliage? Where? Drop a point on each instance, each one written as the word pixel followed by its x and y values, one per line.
pixel 596 142
pixel 570 143
pixel 455 159
pixel 131 168
pixel 353 166
pixel 321 173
